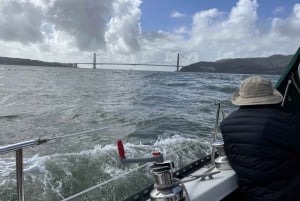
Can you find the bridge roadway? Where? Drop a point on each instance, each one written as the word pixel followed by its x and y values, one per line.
pixel 131 64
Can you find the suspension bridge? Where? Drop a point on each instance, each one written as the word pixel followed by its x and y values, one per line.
pixel 94 63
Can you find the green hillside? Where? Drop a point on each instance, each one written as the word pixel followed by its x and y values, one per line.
pixel 272 65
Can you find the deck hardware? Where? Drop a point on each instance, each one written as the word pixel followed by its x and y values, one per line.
pixel 221 162
pixel 166 188
pixel 205 176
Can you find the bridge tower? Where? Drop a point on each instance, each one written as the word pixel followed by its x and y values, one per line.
pixel 177 63
pixel 94 61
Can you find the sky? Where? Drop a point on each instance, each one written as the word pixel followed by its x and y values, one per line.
pixel 148 31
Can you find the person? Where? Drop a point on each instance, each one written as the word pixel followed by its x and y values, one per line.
pixel 262 143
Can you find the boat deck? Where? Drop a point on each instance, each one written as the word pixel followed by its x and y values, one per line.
pixel 222 184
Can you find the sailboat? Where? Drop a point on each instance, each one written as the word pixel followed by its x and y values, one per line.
pixel 209 178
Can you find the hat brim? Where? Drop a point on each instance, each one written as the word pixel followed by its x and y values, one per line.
pixel 275 98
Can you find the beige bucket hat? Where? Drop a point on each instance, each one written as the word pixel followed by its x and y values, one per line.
pixel 256 90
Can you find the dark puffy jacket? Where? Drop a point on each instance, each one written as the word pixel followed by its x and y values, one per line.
pixel 262 144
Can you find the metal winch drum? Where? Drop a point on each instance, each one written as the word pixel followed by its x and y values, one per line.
pixel 221 162
pixel 165 189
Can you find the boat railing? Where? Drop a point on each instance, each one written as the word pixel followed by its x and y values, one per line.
pixel 216 130
pixel 18 149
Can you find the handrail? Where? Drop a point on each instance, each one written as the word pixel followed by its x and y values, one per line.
pixel 214 137
pixel 21 145
pixel 18 148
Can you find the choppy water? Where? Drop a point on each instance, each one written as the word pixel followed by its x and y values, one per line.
pixel 42 102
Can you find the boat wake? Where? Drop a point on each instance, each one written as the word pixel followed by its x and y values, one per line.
pixel 58 176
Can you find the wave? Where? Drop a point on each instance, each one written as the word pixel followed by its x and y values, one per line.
pixel 227 89
pixel 58 176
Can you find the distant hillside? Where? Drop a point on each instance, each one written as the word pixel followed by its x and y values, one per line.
pixel 29 62
pixel 272 65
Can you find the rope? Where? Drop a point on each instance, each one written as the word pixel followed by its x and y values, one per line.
pixel 103 183
pixel 285 92
pixel 119 125
pixel 125 173
pixel 184 188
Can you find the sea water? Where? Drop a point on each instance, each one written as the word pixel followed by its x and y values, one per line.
pixel 88 110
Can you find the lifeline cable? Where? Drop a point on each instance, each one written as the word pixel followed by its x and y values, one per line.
pixel 101 184
pixel 119 125
pixel 108 127
pixel 114 178
pixel 125 173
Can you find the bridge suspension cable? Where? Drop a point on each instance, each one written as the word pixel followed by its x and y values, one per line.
pixel 94 63
pixel 188 59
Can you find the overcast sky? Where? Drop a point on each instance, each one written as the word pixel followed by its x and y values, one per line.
pixel 147 31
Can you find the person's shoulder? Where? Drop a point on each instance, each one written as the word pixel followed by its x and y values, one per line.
pixel 230 116
pixel 257 112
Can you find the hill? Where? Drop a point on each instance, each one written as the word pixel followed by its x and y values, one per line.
pixel 29 62
pixel 272 65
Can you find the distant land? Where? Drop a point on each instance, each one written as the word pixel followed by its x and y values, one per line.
pixel 29 62
pixel 272 65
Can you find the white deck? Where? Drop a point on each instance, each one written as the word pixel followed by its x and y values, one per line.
pixel 215 189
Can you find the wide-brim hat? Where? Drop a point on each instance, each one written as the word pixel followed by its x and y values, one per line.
pixel 256 90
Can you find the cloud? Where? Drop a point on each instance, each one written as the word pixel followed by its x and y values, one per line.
pixel 217 35
pixel 20 21
pixel 83 20
pixel 290 27
pixel 123 32
pixel 67 30
pixel 176 14
pixel 225 35
pixel 59 25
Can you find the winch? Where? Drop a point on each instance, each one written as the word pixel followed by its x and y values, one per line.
pixel 221 163
pixel 165 187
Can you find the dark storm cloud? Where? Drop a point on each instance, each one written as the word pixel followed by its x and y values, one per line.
pixel 85 20
pixel 20 21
